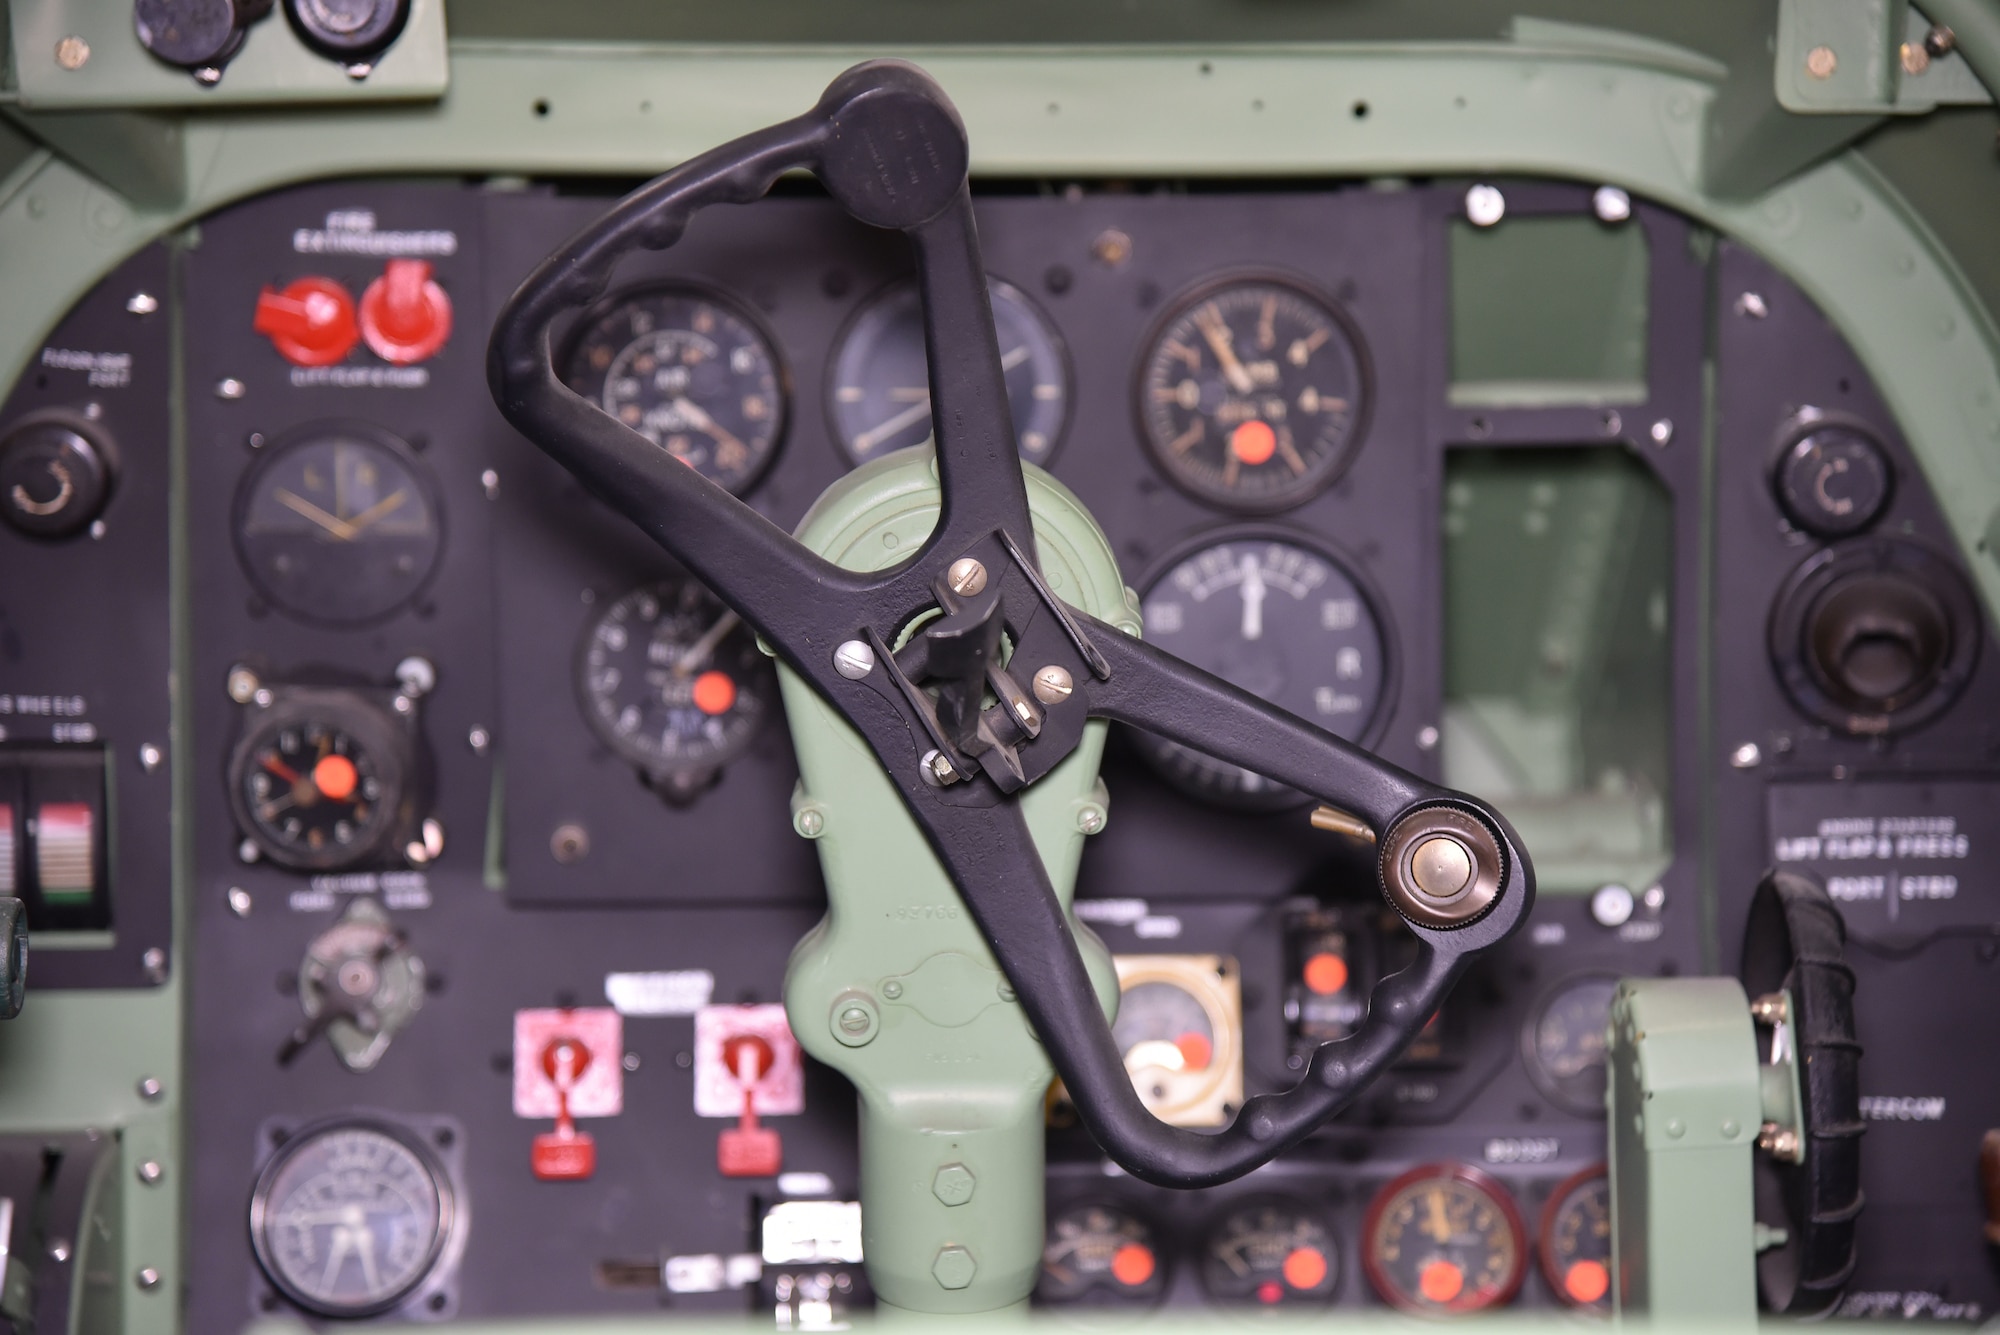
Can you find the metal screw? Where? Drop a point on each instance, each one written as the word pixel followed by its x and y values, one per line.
pixel 478 739
pixel 150 1172
pixel 243 685
pixel 59 1250
pixel 417 676
pixel 149 1278
pixel 403 704
pixel 1655 898
pixel 239 901
pixel 247 851
pixel 1746 756
pixel 1779 1142
pixel 630 1061
pixel 570 843
pixel 937 769
pixel 1940 41
pixel 72 53
pixel 810 822
pixel 154 962
pixel 1485 205
pixel 263 697
pixel 208 76
pixel 1821 62
pixel 954 1267
pixel 149 757
pixel 966 577
pixel 954 1184
pixel 1053 684
pixel 854 1024
pixel 1751 305
pixel 1915 59
pixel 892 989
pixel 229 387
pixel 359 70
pixel 1662 432
pixel 854 659
pixel 1612 905
pixel 1090 819
pixel 490 480
pixel 1611 422
pixel 97 530
pixel 1112 247
pixel 1611 204
pixel 1770 1009
pixel 150 1089
pixel 1427 738
pixel 142 303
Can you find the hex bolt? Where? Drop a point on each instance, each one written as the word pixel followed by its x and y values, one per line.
pixel 953 1184
pixel 854 660
pixel 1611 204
pixel 1484 205
pixel 954 1267
pixel 966 577
pixel 150 1172
pixel 937 769
pixel 1053 684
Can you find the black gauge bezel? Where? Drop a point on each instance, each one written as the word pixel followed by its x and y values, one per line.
pixel 610 304
pixel 1211 1229
pixel 689 776
pixel 1204 289
pixel 1802 426
pixel 1547 1083
pixel 1801 595
pixel 1109 1293
pixel 310 433
pixel 357 717
pixel 892 288
pixel 1545 1235
pixel 294 1144
pixel 1278 798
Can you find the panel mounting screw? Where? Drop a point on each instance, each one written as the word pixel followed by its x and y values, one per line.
pixel 229 387
pixel 1915 58
pixel 1611 204
pixel 1779 1142
pixel 1053 684
pixel 149 1278
pixel 1751 305
pixel 854 659
pixel 489 481
pixel 59 1250
pixel 855 1020
pixel 966 577
pixel 1427 738
pixel 150 1089
pixel 1090 818
pixel 154 962
pixel 239 901
pixel 1484 205
pixel 150 1172
pixel 1940 42
pixel 1770 1009
pixel 570 843
pixel 1112 247
pixel 149 757
pixel 810 822
pixel 243 685
pixel 1821 62
pixel 72 52
pixel 479 739
pixel 1746 756
pixel 142 303
pixel 1662 432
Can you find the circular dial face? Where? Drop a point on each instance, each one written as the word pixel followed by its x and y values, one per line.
pixel 338 525
pixel 318 786
pixel 348 1220
pixel 1444 1239
pixel 1100 1254
pixel 673 682
pixel 1834 481
pixel 1270 1253
pixel 1576 1240
pixel 1284 621
pixel 1252 394
pixel 1565 1044
pixel 690 372
pixel 880 395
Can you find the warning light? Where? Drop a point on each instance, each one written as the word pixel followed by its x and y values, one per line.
pixel 1132 1265
pixel 1441 1281
pixel 1305 1268
pixel 334 776
pixel 1325 974
pixel 1253 442
pixel 714 693
pixel 1587 1282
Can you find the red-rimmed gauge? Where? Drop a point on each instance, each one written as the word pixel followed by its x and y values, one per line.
pixel 1575 1240
pixel 1443 1240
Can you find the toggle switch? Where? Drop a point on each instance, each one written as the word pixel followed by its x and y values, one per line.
pixel 405 315
pixel 749 1149
pixel 747 1067
pixel 567 1064
pixel 310 322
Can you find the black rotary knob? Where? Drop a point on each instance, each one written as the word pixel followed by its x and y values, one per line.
pixel 55 475
pixel 195 33
pixel 1875 636
pixel 1833 481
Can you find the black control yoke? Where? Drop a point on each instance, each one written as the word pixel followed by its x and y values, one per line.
pixel 889 146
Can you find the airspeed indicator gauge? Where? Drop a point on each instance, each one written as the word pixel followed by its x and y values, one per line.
pixel 690 371
pixel 1253 394
pixel 1285 620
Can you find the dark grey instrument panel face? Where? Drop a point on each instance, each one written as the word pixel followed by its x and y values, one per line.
pixel 486 800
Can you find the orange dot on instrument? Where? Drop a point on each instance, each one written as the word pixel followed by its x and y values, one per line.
pixel 1441 1281
pixel 1587 1281
pixel 714 692
pixel 1196 1051
pixel 1305 1268
pixel 1326 974
pixel 1254 442
pixel 334 776
pixel 1132 1265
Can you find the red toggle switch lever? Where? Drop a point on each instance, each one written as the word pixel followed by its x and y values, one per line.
pixel 747 1149
pixel 311 322
pixel 405 315
pixel 564 1154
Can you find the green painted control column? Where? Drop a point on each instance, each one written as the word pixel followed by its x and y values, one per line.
pixel 895 988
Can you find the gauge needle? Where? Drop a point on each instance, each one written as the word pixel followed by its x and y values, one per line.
pixel 698 652
pixel 694 413
pixel 1253 599
pixel 281 769
pixel 1440 1222
pixel 333 524
pixel 1216 333
pixel 337 1244
pixel 920 406
pixel 377 510
pixel 365 1236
